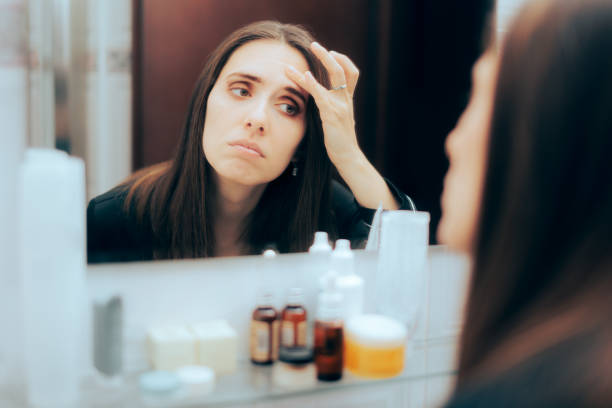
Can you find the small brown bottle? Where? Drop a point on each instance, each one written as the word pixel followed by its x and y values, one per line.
pixel 329 333
pixel 264 331
pixel 293 321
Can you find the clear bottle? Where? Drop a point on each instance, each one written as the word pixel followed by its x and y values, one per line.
pixel 293 320
pixel 329 333
pixel 264 331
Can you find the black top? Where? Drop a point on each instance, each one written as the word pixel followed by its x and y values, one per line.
pixel 563 375
pixel 113 236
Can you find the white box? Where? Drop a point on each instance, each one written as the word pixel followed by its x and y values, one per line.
pixel 217 346
pixel 171 347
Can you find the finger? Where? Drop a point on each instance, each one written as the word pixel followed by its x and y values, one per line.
pixel 307 82
pixel 335 71
pixel 351 72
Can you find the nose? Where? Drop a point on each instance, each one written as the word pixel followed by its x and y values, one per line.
pixel 257 118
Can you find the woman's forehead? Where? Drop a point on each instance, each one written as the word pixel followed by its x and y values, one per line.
pixel 264 57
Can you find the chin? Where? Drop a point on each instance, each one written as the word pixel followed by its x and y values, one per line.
pixel 246 177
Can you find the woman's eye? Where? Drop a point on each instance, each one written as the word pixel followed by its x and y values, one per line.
pixel 240 92
pixel 289 109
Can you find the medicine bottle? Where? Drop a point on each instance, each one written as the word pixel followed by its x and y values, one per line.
pixel 264 331
pixel 329 333
pixel 293 320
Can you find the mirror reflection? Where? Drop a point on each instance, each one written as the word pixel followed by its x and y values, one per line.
pixel 270 114
pixel 373 118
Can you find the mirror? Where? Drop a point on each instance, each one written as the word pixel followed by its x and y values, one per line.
pixel 125 71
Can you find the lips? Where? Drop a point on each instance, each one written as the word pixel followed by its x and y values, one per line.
pixel 248 146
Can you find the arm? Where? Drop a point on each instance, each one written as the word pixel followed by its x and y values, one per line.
pixel 336 109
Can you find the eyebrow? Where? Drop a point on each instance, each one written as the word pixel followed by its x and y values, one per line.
pixel 258 80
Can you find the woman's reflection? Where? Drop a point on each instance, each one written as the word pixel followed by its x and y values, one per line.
pixel 269 115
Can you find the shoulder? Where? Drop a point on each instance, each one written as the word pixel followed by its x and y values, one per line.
pixel 107 206
pixel 114 234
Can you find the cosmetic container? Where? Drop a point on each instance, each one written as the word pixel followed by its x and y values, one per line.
pixel 375 346
pixel 293 329
pixel 196 381
pixel 264 331
pixel 329 332
pixel 159 387
pixel 349 283
pixel 319 256
pixel 171 347
pixel 216 346
pixel 52 242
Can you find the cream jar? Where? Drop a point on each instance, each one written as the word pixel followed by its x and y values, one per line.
pixel 374 346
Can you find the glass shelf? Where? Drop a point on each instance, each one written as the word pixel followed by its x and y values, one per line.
pixel 253 384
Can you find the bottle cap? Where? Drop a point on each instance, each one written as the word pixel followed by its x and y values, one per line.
pixel 295 296
pixel 269 253
pixel 321 243
pixel 265 298
pixel 342 258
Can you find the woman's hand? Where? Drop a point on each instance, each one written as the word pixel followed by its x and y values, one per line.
pixel 338 120
pixel 335 104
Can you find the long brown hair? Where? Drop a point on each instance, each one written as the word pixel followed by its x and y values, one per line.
pixel 544 239
pixel 175 199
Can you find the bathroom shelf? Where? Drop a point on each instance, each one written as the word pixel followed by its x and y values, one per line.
pixel 254 385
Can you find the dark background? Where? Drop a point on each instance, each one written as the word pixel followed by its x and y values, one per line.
pixel 415 58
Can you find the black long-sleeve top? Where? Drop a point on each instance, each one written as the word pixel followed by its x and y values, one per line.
pixel 115 236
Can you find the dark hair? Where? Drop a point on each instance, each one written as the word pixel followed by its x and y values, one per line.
pixel 174 198
pixel 544 239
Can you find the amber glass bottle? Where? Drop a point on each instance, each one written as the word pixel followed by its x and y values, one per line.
pixel 329 353
pixel 264 331
pixel 329 333
pixel 293 321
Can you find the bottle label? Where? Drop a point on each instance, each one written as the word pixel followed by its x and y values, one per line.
pixel 301 334
pixel 260 341
pixel 275 339
pixel 287 337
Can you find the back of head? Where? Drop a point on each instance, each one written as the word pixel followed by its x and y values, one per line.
pixel 544 241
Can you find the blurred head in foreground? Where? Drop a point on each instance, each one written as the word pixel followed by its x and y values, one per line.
pixel 528 195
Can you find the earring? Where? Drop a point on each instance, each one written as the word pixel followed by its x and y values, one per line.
pixel 294 171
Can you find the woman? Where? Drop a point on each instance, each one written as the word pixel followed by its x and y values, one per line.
pixel 528 196
pixel 270 114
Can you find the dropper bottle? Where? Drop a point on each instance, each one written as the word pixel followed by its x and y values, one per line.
pixel 349 283
pixel 329 332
